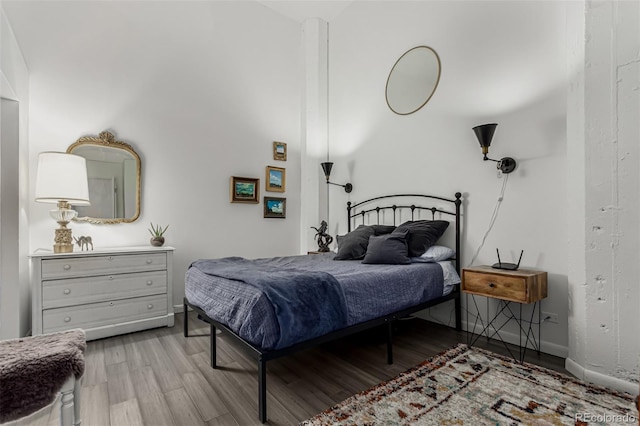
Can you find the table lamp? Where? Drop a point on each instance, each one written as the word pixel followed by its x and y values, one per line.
pixel 62 179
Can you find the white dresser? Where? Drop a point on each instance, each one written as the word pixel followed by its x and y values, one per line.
pixel 105 292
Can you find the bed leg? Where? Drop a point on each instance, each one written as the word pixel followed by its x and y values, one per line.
pixel 185 329
pixel 390 342
pixel 458 308
pixel 262 390
pixel 212 343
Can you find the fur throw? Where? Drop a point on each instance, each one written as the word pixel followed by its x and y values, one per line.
pixel 33 370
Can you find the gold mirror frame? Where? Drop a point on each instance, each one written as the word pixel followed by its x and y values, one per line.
pixel 108 140
pixel 406 77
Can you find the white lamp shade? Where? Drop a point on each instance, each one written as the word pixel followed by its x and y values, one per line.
pixel 62 177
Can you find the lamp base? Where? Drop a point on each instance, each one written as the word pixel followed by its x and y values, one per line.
pixel 63 248
pixel 63 242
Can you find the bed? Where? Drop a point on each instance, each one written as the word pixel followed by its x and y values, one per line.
pixel 275 307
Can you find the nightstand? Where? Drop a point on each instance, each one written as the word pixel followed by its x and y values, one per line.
pixel 523 286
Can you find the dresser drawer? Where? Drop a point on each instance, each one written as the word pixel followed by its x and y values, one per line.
pixel 76 291
pixel 101 314
pixel 98 265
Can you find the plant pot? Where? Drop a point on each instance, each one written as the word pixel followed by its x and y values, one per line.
pixel 157 241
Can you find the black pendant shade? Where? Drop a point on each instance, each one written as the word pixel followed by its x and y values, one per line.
pixel 484 133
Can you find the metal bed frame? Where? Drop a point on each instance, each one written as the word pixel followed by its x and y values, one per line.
pixel 353 213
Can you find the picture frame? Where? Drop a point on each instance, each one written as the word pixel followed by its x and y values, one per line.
pixel 275 207
pixel 280 151
pixel 276 179
pixel 245 190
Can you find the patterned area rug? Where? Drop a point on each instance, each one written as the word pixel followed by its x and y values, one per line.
pixel 470 386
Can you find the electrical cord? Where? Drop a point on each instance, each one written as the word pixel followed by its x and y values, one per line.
pixel 492 221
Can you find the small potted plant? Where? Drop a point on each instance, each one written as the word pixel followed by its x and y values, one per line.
pixel 157 235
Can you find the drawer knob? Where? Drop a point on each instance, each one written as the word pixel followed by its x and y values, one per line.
pixel 149 261
pixel 110 258
pixel 150 306
pixel 492 285
pixel 67 267
pixel 149 282
pixel 110 278
pixel 67 291
pixel 67 319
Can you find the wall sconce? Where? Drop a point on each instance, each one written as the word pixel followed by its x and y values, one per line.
pixel 326 167
pixel 62 179
pixel 484 133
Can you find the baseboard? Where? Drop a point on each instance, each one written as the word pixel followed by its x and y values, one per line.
pixel 546 347
pixel 178 309
pixel 600 379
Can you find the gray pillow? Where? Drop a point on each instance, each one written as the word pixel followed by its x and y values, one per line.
pixel 383 229
pixel 423 234
pixel 389 249
pixel 354 244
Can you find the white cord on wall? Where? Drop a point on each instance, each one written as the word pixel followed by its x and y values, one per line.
pixel 494 216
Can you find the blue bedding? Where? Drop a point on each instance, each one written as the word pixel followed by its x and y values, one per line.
pixel 306 303
pixel 355 293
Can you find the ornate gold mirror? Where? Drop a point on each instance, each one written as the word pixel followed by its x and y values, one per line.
pixel 413 80
pixel 113 170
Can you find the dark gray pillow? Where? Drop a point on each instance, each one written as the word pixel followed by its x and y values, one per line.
pixel 389 249
pixel 423 234
pixel 354 244
pixel 383 229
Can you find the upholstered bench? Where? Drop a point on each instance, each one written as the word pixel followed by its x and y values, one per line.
pixel 33 370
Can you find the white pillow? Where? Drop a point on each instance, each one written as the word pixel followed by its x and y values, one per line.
pixel 435 254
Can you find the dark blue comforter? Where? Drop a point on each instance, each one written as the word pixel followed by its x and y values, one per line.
pixel 307 304
pixel 249 309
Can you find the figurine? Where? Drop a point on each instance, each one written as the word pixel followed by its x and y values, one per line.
pixel 84 242
pixel 322 237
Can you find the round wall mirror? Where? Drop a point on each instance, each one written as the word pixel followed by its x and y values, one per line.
pixel 113 170
pixel 413 80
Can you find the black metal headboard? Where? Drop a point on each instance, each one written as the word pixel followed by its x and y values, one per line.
pixel 373 206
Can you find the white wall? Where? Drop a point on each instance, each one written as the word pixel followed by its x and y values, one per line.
pixel 502 62
pixel 603 140
pixel 199 89
pixel 14 196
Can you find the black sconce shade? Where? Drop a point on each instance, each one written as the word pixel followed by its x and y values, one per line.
pixel 326 167
pixel 484 133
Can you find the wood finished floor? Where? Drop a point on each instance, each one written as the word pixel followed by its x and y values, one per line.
pixel 158 377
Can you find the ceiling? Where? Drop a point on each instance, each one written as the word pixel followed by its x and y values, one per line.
pixel 299 10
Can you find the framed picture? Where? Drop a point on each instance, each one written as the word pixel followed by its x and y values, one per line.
pixel 276 179
pixel 280 151
pixel 275 207
pixel 244 190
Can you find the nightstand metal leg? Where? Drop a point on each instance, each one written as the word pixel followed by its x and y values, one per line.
pixel 492 328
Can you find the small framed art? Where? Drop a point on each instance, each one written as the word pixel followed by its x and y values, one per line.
pixel 275 179
pixel 244 190
pixel 275 207
pixel 280 151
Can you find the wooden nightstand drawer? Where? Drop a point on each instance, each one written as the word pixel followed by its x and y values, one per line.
pixel 523 286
